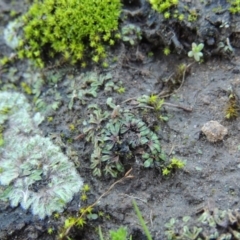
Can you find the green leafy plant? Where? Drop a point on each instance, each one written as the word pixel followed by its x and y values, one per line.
pixel 155 102
pixel 121 233
pixel 93 125
pixel 196 51
pixel 88 85
pixel 119 140
pixel 225 48
pixel 131 34
pixel 69 29
pixel 211 224
pixel 121 90
pixel 123 138
pixel 86 213
pixel 45 99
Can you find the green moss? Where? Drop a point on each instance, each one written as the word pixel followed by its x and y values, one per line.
pixel 181 17
pixel 70 29
pixel 217 9
pixel 174 164
pixel 1 140
pixel 121 90
pixel 163 6
pixel 235 6
pixel 166 51
pixel 193 15
pixel 26 88
pixel 4 61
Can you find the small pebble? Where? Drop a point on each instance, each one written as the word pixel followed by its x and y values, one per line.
pixel 214 131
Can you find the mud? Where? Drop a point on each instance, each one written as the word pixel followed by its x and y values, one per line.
pixel 211 175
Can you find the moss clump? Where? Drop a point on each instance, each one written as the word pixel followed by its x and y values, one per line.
pixel 235 6
pixel 163 6
pixel 70 29
pixel 174 164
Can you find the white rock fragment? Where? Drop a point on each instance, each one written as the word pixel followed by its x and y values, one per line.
pixel 214 131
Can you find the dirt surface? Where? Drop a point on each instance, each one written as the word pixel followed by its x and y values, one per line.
pixel 211 175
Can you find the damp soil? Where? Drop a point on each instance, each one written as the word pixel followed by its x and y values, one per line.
pixel 212 172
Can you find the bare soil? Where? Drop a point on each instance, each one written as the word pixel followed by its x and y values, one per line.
pixel 212 172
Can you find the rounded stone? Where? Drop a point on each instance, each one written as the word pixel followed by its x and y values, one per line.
pixel 214 131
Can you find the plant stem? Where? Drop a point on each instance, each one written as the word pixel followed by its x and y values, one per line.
pixel 100 233
pixel 141 220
